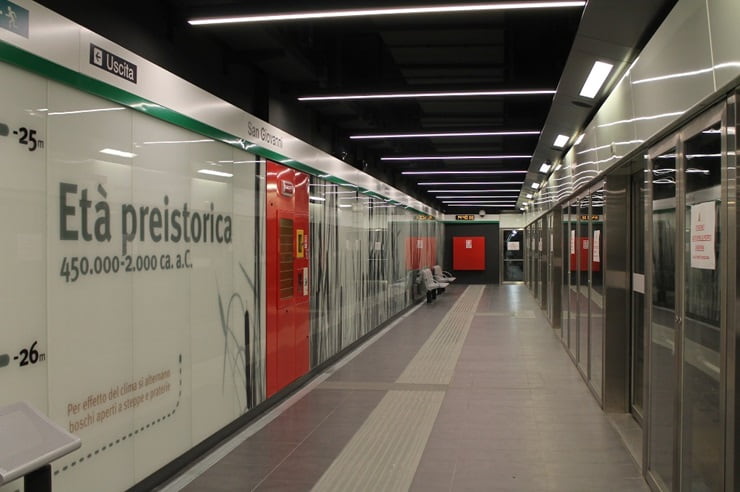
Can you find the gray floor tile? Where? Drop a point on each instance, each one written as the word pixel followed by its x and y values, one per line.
pixel 516 416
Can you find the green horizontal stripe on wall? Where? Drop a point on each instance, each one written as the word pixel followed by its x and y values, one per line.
pixel 58 73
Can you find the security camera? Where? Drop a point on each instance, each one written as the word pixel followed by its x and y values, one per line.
pixel 482 213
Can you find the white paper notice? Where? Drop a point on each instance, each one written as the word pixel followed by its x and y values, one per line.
pixel 702 236
pixel 468 244
pixel 597 247
pixel 552 244
pixel 378 246
pixel 585 244
pixel 419 244
pixel 512 246
pixel 638 282
pixel 572 242
pixel 539 245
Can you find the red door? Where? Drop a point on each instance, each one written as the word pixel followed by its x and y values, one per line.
pixel 287 276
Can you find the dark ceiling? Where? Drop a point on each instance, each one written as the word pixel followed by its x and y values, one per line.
pixel 264 68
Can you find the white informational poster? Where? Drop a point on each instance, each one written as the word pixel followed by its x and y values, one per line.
pixel 702 236
pixel 419 244
pixel 127 279
pixel 597 246
pixel 572 242
pixel 468 244
pixel 512 246
pixel 585 244
pixel 539 245
pixel 638 282
pixel 552 244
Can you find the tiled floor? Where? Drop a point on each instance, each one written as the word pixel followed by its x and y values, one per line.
pixel 515 415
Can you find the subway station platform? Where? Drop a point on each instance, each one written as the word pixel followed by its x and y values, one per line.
pixel 471 392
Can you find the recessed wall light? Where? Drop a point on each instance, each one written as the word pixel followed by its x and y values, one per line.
pixel 596 78
pixel 529 195
pixel 545 167
pixel 535 185
pixel 560 141
pixel 334 14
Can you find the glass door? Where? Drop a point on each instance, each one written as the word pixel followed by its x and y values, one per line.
pixel 513 258
pixel 596 289
pixel 565 274
pixel 637 347
pixel 583 260
pixel 702 439
pixel 662 373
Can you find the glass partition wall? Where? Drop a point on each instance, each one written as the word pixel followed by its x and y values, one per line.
pixel 687 255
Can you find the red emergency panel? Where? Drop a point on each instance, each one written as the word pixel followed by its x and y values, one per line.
pixel 469 253
pixel 287 276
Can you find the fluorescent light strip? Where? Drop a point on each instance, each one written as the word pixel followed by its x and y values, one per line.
pixel 463 172
pixel 317 198
pixel 463 183
pixel 596 78
pixel 416 95
pixel 463 197
pixel 560 141
pixel 480 201
pixel 335 14
pixel 501 205
pixel 453 157
pixel 162 142
pixel 442 135
pixel 215 173
pixel 474 191
pixel 118 153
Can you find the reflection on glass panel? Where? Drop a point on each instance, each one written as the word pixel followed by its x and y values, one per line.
pixel 701 463
pixel 638 298
pixel 662 342
pixel 565 289
pixel 583 248
pixel 596 324
pixel 573 280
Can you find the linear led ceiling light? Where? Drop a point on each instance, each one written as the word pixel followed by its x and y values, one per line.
pixel 338 14
pixel 443 135
pixel 453 157
pixel 474 191
pixel 465 197
pixel 463 172
pixel 560 141
pixel 599 72
pixel 462 183
pixel 416 95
